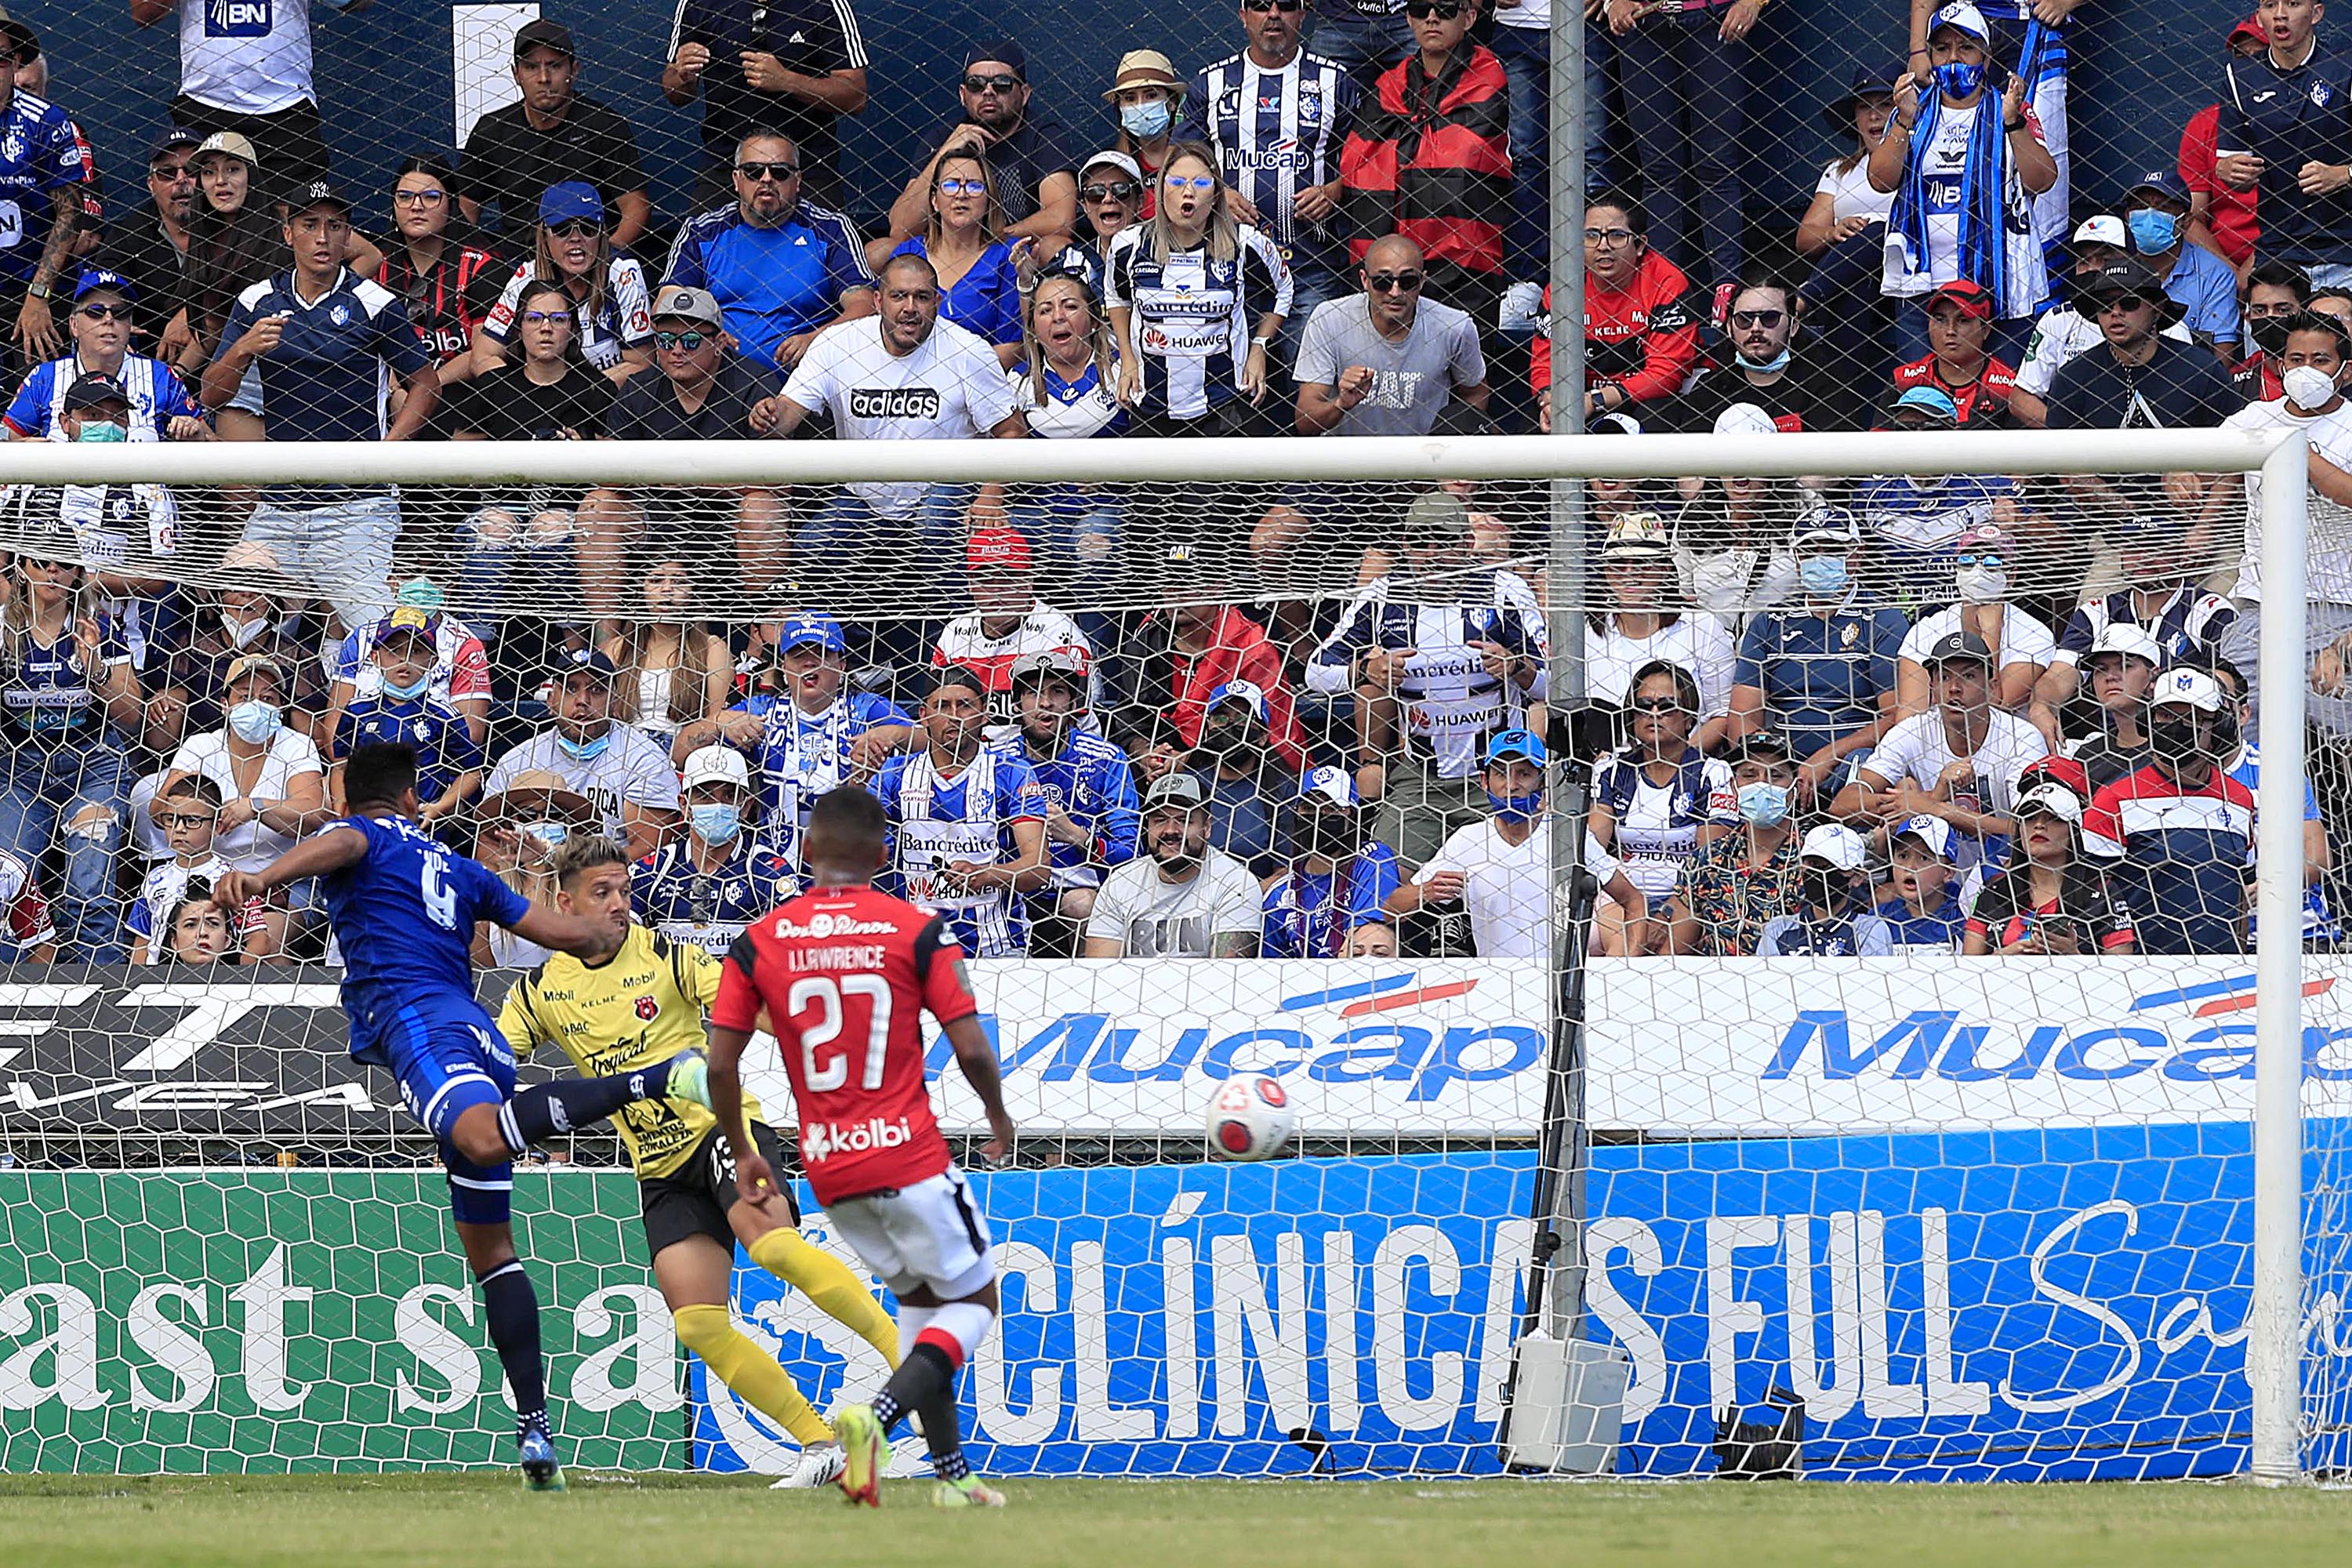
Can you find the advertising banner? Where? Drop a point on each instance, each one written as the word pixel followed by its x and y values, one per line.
pixel 1729 1047
pixel 1121 1046
pixel 310 1320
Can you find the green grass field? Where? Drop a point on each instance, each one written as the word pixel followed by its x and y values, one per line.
pixel 677 1521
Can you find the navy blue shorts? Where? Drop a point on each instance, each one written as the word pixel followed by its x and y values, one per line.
pixel 448 1057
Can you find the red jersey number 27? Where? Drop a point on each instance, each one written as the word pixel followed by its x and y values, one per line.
pixel 825 994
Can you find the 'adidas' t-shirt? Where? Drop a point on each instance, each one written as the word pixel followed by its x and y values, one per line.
pixel 952 388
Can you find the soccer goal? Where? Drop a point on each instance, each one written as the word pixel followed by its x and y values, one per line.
pixel 1886 1067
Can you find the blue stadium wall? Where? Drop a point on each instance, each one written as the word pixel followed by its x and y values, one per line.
pixel 387 80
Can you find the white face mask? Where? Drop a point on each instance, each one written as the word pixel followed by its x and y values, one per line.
pixel 1981 584
pixel 243 634
pixel 2308 386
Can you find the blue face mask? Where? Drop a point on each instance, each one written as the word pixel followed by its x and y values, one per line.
pixel 102 430
pixel 255 723
pixel 1516 808
pixel 584 751
pixel 1960 81
pixel 716 824
pixel 551 834
pixel 410 692
pixel 1148 121
pixel 2152 232
pixel 1765 805
pixel 1778 363
pixel 1822 574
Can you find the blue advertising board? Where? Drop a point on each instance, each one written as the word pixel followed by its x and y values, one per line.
pixel 2000 1305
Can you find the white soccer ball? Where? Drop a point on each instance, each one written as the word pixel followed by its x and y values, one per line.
pixel 1250 1118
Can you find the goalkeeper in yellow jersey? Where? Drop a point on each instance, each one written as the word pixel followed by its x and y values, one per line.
pixel 640 1007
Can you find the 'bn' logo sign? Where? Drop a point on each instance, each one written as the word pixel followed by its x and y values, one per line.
pixel 237 18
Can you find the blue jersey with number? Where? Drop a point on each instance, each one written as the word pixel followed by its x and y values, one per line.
pixel 403 917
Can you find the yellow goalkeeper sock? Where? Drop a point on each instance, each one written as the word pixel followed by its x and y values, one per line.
pixel 750 1371
pixel 827 1281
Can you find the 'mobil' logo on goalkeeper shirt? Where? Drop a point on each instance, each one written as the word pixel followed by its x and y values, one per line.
pixel 822 1140
pixel 894 403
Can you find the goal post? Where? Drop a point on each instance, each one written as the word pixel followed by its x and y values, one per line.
pixel 1600 1149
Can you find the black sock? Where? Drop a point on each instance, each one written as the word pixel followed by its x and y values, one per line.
pixel 513 1308
pixel 557 1109
pixel 921 1378
pixel 944 1434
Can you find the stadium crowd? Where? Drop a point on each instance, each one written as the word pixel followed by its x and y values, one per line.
pixel 1980 714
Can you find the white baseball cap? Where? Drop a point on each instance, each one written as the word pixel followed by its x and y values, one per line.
pixel 2192 687
pixel 717 764
pixel 2100 228
pixel 1840 845
pixel 1960 14
pixel 2127 637
pixel 2055 798
pixel 1334 784
pixel 1932 831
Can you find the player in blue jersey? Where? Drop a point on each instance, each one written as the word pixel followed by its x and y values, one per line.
pixel 404 909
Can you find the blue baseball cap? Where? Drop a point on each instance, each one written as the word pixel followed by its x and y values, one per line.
pixel 1248 691
pixel 413 619
pixel 1512 745
pixel 1931 400
pixel 806 627
pixel 2164 181
pixel 571 199
pixel 99 278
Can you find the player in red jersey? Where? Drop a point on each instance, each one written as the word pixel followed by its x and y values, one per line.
pixel 845 972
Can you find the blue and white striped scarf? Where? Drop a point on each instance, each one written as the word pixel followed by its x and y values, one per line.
pixel 1998 250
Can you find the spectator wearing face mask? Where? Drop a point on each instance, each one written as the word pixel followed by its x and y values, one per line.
pixel 1820 672
pixel 2177 834
pixel 2275 291
pixel 1739 882
pixel 1769 367
pixel 2311 373
pixel 461 664
pixel 404 709
pixel 623 773
pixel 1336 878
pixel 523 826
pixel 2021 644
pixel 1499 870
pixel 2155 217
pixel 1964 158
pixel 705 886
pixel 1833 919
pixel 1091 818
pixel 1653 798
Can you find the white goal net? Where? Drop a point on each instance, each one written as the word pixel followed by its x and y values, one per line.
pixel 1938 1070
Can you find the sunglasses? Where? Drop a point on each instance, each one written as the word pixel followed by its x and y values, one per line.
pixel 1397 282
pixel 2121 302
pixel 541 317
pixel 1125 190
pixel 779 173
pixel 1263 7
pixel 168 171
pixel 1758 318
pixel 189 819
pixel 963 187
pixel 689 341
pixel 103 312
pixel 1190 183
pixel 996 84
pixel 1607 237
pixel 1422 10
pixel 1656 705
pixel 1994 561
pixel 432 198
pixel 578 228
